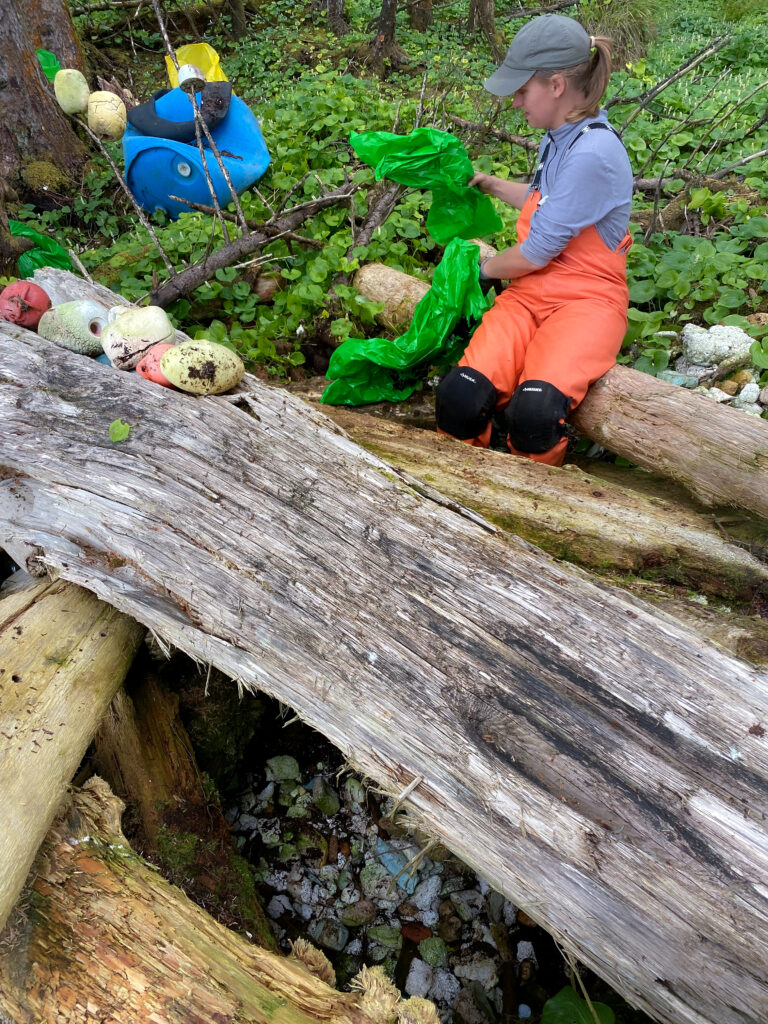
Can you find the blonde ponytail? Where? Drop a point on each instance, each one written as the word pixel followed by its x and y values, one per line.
pixel 590 78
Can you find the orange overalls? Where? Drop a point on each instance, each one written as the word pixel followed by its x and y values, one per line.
pixel 563 324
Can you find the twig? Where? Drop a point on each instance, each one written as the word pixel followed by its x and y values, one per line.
pixel 498 133
pixel 253 225
pixel 124 186
pixel 80 267
pixel 738 163
pixel 716 123
pixel 530 11
pixel 420 111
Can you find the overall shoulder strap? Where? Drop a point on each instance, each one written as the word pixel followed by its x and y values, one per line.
pixel 588 128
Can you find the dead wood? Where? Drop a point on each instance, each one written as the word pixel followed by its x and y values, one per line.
pixel 187 280
pixel 719 454
pixel 104 937
pixel 569 513
pixel 63 655
pixel 143 752
pixel 597 762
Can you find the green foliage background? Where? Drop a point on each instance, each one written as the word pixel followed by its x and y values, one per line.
pixel 309 90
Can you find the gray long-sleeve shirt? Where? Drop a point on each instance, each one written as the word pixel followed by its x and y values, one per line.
pixel 590 183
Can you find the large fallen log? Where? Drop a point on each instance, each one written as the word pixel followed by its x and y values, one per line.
pixel 569 513
pixel 719 454
pixel 597 762
pixel 63 655
pixel 106 938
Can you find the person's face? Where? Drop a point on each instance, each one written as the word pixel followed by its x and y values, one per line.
pixel 541 101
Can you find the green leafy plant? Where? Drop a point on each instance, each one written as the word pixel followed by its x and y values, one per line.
pixel 567 1007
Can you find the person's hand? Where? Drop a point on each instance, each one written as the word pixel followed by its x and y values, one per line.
pixel 481 181
pixel 487 283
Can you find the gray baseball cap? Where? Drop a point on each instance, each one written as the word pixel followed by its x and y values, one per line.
pixel 547 43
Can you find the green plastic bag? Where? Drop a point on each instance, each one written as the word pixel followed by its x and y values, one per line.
pixel 49 62
pixel 364 370
pixel 431 159
pixel 47 251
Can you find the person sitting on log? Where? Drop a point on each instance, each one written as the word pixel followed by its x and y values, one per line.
pixel 560 323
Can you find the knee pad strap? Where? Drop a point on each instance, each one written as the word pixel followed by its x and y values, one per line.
pixel 535 416
pixel 464 401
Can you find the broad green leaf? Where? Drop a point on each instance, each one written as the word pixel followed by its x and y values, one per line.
pixel 569 1008
pixel 119 430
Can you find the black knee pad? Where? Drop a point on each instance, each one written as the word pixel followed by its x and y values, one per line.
pixel 533 416
pixel 464 401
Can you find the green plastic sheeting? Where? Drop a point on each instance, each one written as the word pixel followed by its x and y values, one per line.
pixel 365 370
pixel 47 251
pixel 49 62
pixel 431 159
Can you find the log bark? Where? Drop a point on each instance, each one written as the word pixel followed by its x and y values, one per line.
pixel 569 513
pixel 106 938
pixel 143 752
pixel 595 761
pixel 63 655
pixel 719 454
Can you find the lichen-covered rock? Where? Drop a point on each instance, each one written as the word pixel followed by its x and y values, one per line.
pixel 77 325
pixel 23 303
pixel 133 332
pixel 749 394
pixel 72 91
pixel 710 347
pixel 106 115
pixel 202 367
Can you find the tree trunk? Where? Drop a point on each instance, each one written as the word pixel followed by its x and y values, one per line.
pixel 63 655
pixel 384 47
pixel 719 454
pixel 143 752
pixel 106 938
pixel 482 20
pixel 239 24
pixel 32 125
pixel 599 764
pixel 337 23
pixel 420 14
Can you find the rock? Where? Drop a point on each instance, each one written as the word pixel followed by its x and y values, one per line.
pixel 450 926
pixel 325 797
pixel 433 951
pixel 377 883
pixel 278 906
pixel 729 387
pixel 763 397
pixel 420 978
pixel 386 935
pixel 202 367
pixel 407 911
pixel 299 807
pixel 523 919
pixel 283 769
pixel 468 903
pixel 149 365
pixel 71 90
pixel 329 934
pixel 743 377
pixel 416 931
pixel 482 969
pixel 718 394
pixel 525 951
pixel 132 333
pixel 23 303
pixel 710 347
pixel 680 380
pixel 77 326
pixel 494 902
pixel 106 115
pixel 524 1011
pixel 445 987
pixel 749 394
pixel 354 792
pixel 687 369
pixel 427 893
pixel 467 1010
pixel 358 914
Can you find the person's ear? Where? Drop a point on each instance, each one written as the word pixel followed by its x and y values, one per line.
pixel 558 85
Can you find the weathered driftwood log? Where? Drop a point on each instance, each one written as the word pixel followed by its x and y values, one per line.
pixel 104 937
pixel 717 453
pixel 143 752
pixel 597 762
pixel 570 514
pixel 63 654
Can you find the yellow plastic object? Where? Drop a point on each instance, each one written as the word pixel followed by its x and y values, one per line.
pixel 202 56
